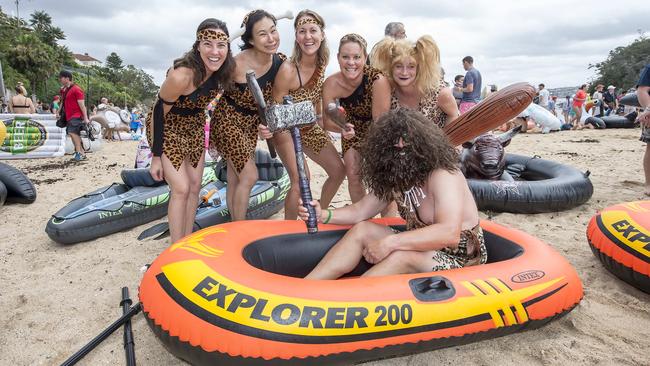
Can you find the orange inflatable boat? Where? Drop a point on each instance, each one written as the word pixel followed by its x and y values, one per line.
pixel 233 295
pixel 620 237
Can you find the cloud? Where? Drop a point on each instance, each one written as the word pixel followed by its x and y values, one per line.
pixel 552 41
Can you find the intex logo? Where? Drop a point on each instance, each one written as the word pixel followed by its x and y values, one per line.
pixel 527 276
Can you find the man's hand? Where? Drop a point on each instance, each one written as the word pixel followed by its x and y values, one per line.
pixel 644 119
pixel 377 251
pixel 304 214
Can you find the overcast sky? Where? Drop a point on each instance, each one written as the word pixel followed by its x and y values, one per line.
pixel 536 41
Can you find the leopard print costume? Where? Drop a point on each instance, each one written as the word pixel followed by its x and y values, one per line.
pixel 183 133
pixel 358 108
pixel 428 105
pixel 471 248
pixel 234 128
pixel 314 137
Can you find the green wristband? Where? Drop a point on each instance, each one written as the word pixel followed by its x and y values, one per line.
pixel 329 216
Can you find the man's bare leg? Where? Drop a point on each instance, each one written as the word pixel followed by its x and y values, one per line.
pixel 404 261
pixel 347 253
pixel 76 142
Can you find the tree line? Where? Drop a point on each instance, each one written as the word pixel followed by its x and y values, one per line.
pixel 30 53
pixel 623 64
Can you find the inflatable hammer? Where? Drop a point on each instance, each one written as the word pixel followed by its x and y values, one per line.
pixel 238 33
pixel 251 79
pixel 290 116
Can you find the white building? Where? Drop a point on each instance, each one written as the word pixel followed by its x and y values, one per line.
pixel 86 60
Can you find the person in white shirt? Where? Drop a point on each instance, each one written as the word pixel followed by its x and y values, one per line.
pixel 598 109
pixel 543 96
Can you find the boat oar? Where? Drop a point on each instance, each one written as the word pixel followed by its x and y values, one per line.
pixel 162 228
pixel 129 342
pixel 103 335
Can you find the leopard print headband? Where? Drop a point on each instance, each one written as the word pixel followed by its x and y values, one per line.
pixel 308 20
pixel 210 35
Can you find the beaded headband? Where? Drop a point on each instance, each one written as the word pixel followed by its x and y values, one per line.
pixel 308 20
pixel 353 37
pixel 211 34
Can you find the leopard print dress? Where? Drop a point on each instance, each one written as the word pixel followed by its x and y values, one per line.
pixel 471 248
pixel 233 130
pixel 428 105
pixel 183 132
pixel 358 108
pixel 314 137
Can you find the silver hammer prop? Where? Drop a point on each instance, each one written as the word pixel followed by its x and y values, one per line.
pixel 289 116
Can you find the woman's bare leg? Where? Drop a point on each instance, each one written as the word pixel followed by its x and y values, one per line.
pixel 352 161
pixel 242 191
pixel 284 147
pixel 179 184
pixel 195 175
pixel 329 159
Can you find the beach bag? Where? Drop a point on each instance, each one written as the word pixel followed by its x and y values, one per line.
pixel 62 122
pixel 143 155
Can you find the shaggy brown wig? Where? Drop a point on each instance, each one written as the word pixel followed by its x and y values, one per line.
pixel 386 169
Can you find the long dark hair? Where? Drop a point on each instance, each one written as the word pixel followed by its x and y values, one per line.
pixel 192 58
pixel 249 21
pixel 386 169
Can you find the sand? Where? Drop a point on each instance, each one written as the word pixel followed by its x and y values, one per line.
pixel 56 298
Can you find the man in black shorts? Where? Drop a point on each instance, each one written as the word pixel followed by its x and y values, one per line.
pixel 74 107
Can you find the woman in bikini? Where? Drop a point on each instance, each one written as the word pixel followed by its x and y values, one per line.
pixel 20 103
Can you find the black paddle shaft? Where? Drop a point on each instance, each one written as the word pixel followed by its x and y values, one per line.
pixel 129 342
pixel 305 190
pixel 102 336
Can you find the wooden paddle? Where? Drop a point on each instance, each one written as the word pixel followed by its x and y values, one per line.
pixel 490 113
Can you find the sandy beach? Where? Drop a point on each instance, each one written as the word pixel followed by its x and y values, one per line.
pixel 56 298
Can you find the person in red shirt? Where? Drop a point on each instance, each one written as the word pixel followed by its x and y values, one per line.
pixel 73 105
pixel 578 101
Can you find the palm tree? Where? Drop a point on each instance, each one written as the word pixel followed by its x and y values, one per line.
pixel 41 22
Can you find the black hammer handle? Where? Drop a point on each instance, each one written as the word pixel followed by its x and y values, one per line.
pixel 305 190
pixel 251 80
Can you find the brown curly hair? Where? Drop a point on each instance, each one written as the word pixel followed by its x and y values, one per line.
pixel 386 169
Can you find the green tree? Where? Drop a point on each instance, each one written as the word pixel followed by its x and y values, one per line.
pixel 33 58
pixel 113 67
pixel 114 62
pixel 623 64
pixel 30 53
pixel 41 22
pixel 140 84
